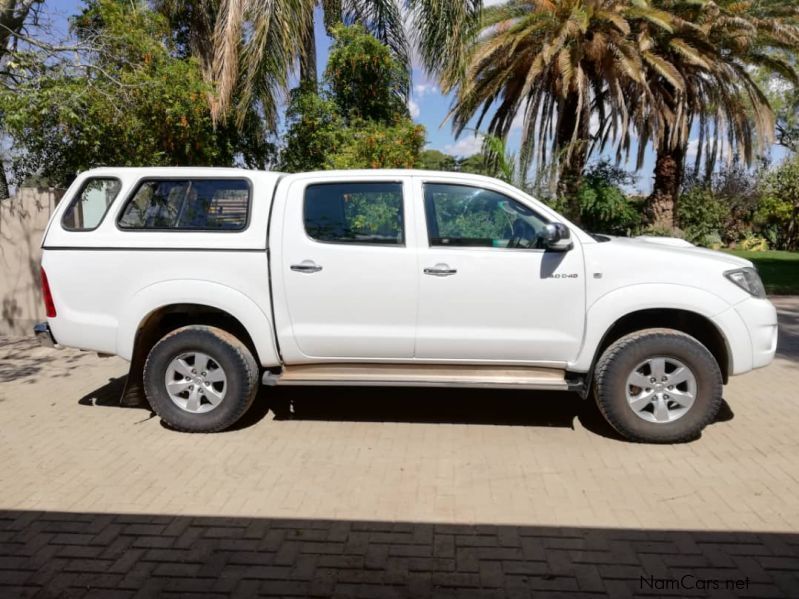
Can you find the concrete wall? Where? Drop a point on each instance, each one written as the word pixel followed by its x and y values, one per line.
pixel 23 220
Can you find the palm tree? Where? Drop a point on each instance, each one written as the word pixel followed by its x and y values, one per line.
pixel 248 48
pixel 557 62
pixel 711 47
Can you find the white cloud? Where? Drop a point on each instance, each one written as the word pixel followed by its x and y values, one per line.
pixel 423 89
pixel 413 108
pixel 465 146
pixel 593 124
pixel 692 149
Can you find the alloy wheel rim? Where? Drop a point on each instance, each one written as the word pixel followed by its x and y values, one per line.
pixel 661 389
pixel 195 382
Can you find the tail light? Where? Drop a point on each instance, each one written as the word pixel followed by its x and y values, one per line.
pixel 47 296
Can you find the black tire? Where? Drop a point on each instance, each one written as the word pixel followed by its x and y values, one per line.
pixel 622 357
pixel 228 352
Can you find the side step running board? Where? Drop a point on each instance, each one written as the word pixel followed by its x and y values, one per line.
pixel 420 375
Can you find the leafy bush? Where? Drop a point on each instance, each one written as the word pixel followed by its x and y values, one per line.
pixel 712 241
pixel 659 231
pixel 753 243
pixel 778 209
pixel 370 144
pixel 604 207
pixel 701 214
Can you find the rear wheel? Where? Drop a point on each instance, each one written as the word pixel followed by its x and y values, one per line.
pixel 200 379
pixel 658 386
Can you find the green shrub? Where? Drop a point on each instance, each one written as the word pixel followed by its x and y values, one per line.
pixel 701 215
pixel 658 231
pixel 753 243
pixel 604 207
pixel 778 209
pixel 712 241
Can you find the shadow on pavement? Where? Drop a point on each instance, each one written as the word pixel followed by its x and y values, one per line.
pixel 57 554
pixel 411 405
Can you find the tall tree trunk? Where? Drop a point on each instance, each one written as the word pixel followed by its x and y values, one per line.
pixel 661 205
pixel 4 191
pixel 308 70
pixel 572 155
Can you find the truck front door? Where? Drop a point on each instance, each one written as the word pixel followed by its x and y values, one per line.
pixel 489 292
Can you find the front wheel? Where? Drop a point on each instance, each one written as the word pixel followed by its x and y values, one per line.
pixel 200 379
pixel 658 386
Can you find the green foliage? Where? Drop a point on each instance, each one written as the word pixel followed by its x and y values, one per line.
pixel 435 160
pixel 604 207
pixel 134 103
pixel 778 209
pixel 753 243
pixel 362 125
pixel 314 134
pixel 364 79
pixel 701 214
pixel 661 231
pixel 370 144
pixel 474 164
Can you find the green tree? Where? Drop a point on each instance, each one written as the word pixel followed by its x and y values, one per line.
pixel 14 16
pixel 363 78
pixel 357 119
pixel 132 103
pixel 436 160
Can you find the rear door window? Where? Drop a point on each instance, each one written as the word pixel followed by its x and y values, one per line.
pixel 88 207
pixel 355 213
pixel 188 205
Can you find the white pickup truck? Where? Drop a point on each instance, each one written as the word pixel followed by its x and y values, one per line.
pixel 211 281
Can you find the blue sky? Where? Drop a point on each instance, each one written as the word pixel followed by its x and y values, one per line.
pixel 428 106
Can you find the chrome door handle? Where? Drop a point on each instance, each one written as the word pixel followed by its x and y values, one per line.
pixel 440 270
pixel 306 266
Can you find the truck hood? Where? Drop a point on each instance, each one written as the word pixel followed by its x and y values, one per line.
pixel 679 248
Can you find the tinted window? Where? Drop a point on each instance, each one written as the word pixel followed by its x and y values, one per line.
pixel 354 213
pixel 87 210
pixel 459 215
pixel 188 205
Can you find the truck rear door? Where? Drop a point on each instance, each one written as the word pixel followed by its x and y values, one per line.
pixel 344 267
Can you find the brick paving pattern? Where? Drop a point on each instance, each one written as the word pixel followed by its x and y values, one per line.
pixel 399 493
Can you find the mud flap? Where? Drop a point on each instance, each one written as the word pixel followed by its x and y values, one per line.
pixel 133 395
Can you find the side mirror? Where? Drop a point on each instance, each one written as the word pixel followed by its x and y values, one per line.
pixel 557 237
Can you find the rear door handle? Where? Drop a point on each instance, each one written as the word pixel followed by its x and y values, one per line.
pixel 306 266
pixel 440 270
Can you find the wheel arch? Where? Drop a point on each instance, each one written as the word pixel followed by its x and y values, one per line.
pixel 686 309
pixel 691 323
pixel 160 308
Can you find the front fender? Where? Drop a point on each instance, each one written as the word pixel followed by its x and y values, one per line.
pixel 190 291
pixel 608 309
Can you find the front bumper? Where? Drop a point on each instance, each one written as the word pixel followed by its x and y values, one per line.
pixel 760 318
pixel 44 335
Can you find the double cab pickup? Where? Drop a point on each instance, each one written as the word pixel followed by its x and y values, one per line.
pixel 213 282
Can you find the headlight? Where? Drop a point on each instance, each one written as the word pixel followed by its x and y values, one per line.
pixel 748 280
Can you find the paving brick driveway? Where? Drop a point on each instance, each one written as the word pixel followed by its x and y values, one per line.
pixel 372 493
